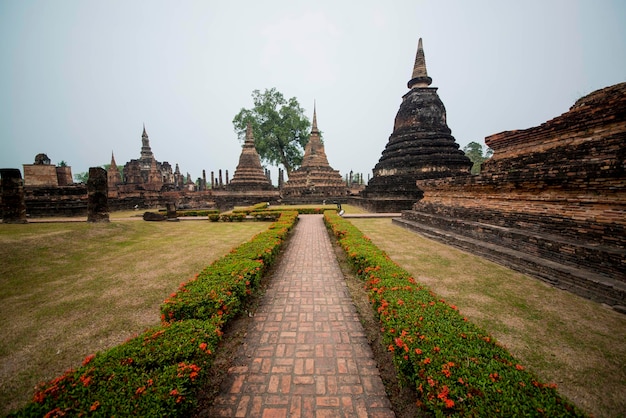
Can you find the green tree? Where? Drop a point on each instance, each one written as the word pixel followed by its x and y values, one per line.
pixel 280 128
pixel 474 151
pixel 62 164
pixel 81 177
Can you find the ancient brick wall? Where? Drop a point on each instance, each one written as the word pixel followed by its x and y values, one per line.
pixel 551 200
pixel 40 175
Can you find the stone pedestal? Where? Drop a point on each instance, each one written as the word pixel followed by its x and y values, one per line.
pixel 171 212
pixel 97 192
pixel 13 208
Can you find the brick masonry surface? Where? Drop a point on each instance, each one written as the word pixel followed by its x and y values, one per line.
pixel 305 354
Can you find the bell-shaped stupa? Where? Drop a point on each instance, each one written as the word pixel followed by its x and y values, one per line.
pixel 420 147
pixel 315 178
pixel 249 174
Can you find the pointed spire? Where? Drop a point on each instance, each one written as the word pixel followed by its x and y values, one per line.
pixel 144 134
pixel 249 135
pixel 314 127
pixel 420 75
pixel 113 164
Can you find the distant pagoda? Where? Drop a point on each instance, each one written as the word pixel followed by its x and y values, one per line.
pixel 420 147
pixel 315 178
pixel 249 174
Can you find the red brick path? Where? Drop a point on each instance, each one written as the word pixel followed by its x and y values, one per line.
pixel 305 354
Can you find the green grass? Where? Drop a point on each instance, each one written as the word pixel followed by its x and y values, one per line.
pixel 565 339
pixel 71 289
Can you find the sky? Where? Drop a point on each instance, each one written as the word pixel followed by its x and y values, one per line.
pixel 80 78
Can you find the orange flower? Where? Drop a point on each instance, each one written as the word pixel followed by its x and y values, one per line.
pixel 418 351
pixel 88 359
pixel 426 360
pixel 519 367
pixel 174 392
pixel 436 349
pixel 140 390
pixel 94 406
pixel 444 393
pixel 203 346
pixel 449 403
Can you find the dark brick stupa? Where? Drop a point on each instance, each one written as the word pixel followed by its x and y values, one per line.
pixel 249 174
pixel 420 147
pixel 315 179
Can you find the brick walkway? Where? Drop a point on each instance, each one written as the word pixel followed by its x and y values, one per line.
pixel 305 354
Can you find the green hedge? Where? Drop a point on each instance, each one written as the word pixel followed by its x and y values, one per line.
pixel 199 212
pixel 160 372
pixel 456 367
pixel 220 289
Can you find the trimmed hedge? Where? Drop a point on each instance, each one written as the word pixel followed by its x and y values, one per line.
pixel 220 289
pixel 160 372
pixel 456 367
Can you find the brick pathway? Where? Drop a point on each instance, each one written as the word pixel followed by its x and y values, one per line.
pixel 305 354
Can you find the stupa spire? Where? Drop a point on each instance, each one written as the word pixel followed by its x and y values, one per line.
pixel 419 78
pixel 314 128
pixel 249 134
pixel 146 151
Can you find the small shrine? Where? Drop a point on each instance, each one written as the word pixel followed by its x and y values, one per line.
pixel 315 179
pixel 249 174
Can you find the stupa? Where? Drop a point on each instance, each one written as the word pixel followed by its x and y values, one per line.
pixel 420 147
pixel 315 179
pixel 249 174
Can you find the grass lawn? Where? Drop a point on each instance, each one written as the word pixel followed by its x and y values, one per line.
pixel 564 339
pixel 71 289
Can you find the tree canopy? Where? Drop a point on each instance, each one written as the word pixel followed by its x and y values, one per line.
pixel 474 151
pixel 280 128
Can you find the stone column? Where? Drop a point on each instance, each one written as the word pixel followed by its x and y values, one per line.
pixel 171 211
pixel 13 208
pixel 221 184
pixel 203 186
pixel 227 181
pixel 97 203
pixel 212 180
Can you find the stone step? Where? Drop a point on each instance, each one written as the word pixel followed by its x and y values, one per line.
pixel 603 259
pixel 585 283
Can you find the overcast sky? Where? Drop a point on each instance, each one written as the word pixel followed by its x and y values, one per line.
pixel 79 78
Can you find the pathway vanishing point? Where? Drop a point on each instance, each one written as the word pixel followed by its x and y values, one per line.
pixel 305 354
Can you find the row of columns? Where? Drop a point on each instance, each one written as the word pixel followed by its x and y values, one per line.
pixel 13 208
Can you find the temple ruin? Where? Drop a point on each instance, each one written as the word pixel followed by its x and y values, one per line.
pixel 420 147
pixel 315 180
pixel 249 174
pixel 551 201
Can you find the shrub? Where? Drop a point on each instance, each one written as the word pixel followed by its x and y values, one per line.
pixel 219 290
pixel 156 373
pixel 456 367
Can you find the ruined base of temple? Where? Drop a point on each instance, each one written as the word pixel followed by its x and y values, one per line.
pixel 382 204
pixel 585 268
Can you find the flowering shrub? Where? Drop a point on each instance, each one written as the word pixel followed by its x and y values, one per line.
pixel 456 368
pixel 220 288
pixel 156 373
pixel 160 372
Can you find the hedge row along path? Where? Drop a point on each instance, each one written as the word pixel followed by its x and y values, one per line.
pixel 306 353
